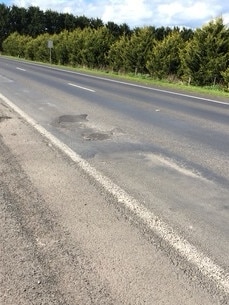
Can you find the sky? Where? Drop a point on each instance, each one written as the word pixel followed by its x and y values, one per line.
pixel 138 13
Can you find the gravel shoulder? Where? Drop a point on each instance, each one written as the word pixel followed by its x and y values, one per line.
pixel 62 241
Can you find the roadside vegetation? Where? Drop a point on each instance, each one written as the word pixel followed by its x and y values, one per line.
pixel 196 58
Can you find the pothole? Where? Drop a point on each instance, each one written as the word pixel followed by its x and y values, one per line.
pixel 117 131
pixel 69 118
pixel 74 123
pixel 3 118
pixel 96 136
pixel 70 121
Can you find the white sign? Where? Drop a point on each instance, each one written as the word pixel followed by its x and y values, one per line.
pixel 50 44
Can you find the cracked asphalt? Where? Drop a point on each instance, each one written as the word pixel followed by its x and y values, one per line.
pixel 64 241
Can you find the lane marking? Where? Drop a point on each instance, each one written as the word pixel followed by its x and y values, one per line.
pixel 173 165
pixel 20 69
pixel 205 265
pixel 84 88
pixel 131 85
pixel 4 79
pixel 148 88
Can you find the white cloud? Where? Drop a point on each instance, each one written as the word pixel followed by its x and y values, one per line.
pixel 226 19
pixel 69 6
pixel 190 13
pixel 126 11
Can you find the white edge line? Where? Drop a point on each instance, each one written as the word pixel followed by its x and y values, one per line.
pixel 147 88
pixel 132 85
pixel 74 85
pixel 206 266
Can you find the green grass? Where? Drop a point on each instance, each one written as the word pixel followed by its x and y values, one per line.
pixel 163 84
pixel 212 91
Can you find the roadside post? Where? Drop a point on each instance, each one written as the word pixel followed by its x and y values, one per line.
pixel 50 46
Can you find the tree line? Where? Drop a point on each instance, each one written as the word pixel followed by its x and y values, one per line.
pixel 199 57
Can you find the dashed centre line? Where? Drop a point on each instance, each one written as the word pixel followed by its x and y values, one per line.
pixel 20 69
pixel 84 88
pixel 4 79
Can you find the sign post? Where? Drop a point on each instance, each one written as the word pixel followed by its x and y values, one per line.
pixel 50 46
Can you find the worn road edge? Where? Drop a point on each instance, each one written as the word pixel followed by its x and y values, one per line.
pixel 206 266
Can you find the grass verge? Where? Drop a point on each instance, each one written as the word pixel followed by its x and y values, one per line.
pixel 211 91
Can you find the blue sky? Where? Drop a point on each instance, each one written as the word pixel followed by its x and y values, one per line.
pixel 188 13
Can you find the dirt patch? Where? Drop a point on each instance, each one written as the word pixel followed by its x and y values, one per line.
pixel 96 136
pixel 68 118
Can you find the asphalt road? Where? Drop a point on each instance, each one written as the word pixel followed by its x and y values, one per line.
pixel 167 150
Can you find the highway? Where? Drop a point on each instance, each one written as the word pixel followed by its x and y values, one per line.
pixel 159 157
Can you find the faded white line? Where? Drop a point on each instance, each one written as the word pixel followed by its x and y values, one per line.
pixel 173 165
pixel 4 79
pixel 20 69
pixel 74 85
pixel 154 223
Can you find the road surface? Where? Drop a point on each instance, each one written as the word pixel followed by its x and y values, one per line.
pixel 117 194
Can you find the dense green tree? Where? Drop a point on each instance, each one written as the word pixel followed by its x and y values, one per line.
pixel 206 56
pixel 225 75
pixel 186 34
pixel 42 52
pixel 96 47
pixel 60 52
pixel 164 59
pixel 125 30
pixel 118 30
pixel 4 23
pixel 37 48
pixel 137 49
pixel 162 32
pixel 129 53
pixel 116 54
pixel 36 21
pixel 96 23
pixel 15 44
pixel 75 46
pixel 52 22
pixel 69 22
pixel 82 22
pixel 18 20
pixel 113 28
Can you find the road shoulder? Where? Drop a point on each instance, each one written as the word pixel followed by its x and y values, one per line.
pixel 63 243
